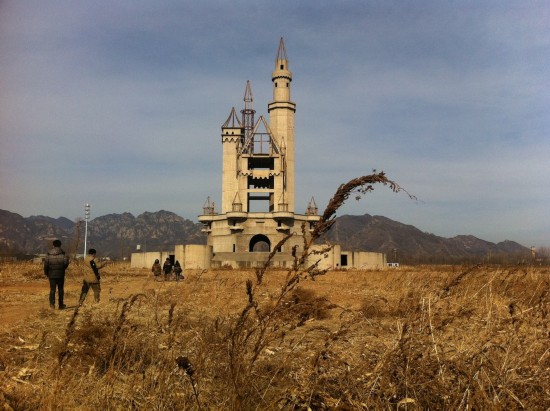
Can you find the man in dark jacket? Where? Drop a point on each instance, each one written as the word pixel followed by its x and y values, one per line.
pixel 167 268
pixel 55 264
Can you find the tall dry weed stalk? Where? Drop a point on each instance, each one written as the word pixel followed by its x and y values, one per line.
pixel 120 323
pixel 258 326
pixel 69 331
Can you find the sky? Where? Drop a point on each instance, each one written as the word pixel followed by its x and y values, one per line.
pixel 119 104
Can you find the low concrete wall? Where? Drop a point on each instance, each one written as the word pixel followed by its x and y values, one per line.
pixel 364 260
pixel 146 260
pixel 195 256
pixel 332 259
pixel 327 258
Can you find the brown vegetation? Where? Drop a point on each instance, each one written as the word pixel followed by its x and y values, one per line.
pixel 419 338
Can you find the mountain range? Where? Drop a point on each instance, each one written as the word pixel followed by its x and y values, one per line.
pixel 119 235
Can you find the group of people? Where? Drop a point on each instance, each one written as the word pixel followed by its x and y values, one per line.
pixel 167 269
pixel 55 264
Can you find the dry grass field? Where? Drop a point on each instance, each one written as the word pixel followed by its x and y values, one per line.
pixel 452 338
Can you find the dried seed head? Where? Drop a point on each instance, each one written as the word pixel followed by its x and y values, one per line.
pixel 185 364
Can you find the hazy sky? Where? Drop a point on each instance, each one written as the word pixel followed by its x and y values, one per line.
pixel 120 104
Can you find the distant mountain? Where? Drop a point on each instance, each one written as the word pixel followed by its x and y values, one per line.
pixel 113 235
pixel 28 235
pixel 402 242
pixel 159 231
pixel 118 235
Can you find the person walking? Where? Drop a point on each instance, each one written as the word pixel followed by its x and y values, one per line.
pixel 92 278
pixel 55 264
pixel 178 271
pixel 156 269
pixel 167 268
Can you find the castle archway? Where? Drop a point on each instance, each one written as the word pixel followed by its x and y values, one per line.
pixel 259 243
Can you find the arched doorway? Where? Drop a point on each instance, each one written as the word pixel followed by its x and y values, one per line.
pixel 259 243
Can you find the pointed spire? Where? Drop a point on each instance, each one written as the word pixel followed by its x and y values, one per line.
pixel 248 112
pixel 260 132
pixel 281 76
pixel 283 204
pixel 311 207
pixel 232 121
pixel 281 55
pixel 208 207
pixel 237 204
pixel 248 97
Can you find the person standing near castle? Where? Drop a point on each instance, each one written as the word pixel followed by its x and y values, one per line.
pixel 55 264
pixel 92 278
pixel 156 269
pixel 167 268
pixel 178 271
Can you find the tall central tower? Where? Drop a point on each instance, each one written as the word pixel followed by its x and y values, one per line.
pixel 257 205
pixel 281 115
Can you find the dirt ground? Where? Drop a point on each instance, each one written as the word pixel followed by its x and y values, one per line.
pixel 24 292
pixel 23 299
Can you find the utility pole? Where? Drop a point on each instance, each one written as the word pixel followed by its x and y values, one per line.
pixel 87 208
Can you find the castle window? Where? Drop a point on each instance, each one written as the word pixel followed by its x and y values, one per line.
pixel 275 84
pixel 287 84
pixel 261 183
pixel 282 66
pixel 260 202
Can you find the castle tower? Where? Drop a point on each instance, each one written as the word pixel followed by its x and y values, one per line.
pixel 257 207
pixel 281 115
pixel 233 133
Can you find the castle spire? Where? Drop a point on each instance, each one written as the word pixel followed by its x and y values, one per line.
pixel 281 76
pixel 232 121
pixel 281 56
pixel 248 112
pixel 248 97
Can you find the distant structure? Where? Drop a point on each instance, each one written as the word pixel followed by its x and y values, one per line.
pixel 257 206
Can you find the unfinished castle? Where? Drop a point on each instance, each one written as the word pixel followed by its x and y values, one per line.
pixel 257 200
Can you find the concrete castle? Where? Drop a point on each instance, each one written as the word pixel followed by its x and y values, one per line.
pixel 257 203
pixel 257 208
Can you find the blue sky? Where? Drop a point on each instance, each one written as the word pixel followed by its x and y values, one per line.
pixel 120 104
